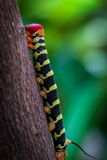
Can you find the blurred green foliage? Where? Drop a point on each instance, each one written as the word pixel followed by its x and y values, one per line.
pixel 76 38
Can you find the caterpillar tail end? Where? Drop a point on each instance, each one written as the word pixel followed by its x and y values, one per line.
pixel 61 155
pixel 34 27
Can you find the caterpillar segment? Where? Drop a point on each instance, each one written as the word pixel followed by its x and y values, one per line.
pixel 48 87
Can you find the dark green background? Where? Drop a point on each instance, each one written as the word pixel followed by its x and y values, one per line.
pixel 76 38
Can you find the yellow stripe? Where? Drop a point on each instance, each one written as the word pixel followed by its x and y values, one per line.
pixel 56 102
pixel 59 117
pixel 45 62
pixel 37 45
pixel 48 74
pixel 37 39
pixel 61 132
pixel 60 146
pixel 35 54
pixel 53 87
pixel 38 65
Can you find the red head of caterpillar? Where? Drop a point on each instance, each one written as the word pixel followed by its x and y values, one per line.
pixel 34 27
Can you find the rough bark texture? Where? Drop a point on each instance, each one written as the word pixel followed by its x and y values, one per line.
pixel 23 127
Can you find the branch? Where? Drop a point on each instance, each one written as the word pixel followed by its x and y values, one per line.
pixel 23 127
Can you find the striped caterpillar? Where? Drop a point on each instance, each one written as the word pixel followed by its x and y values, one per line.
pixel 48 89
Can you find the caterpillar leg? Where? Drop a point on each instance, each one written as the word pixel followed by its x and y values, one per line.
pixel 42 93
pixel 47 110
pixel 39 80
pixel 51 126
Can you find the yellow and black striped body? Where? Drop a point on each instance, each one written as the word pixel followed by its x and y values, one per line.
pixel 48 89
pixel 43 70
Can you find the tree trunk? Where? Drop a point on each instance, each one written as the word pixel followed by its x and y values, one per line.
pixel 23 128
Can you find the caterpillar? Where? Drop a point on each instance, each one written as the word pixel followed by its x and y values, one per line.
pixel 48 89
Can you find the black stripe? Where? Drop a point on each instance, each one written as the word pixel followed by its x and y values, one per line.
pixel 59 126
pixel 52 96
pixel 39 49
pixel 55 111
pixel 48 82
pixel 41 58
pixel 45 69
pixel 61 140
pixel 34 60
pixel 39 72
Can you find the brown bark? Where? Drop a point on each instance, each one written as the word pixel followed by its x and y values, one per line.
pixel 23 127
